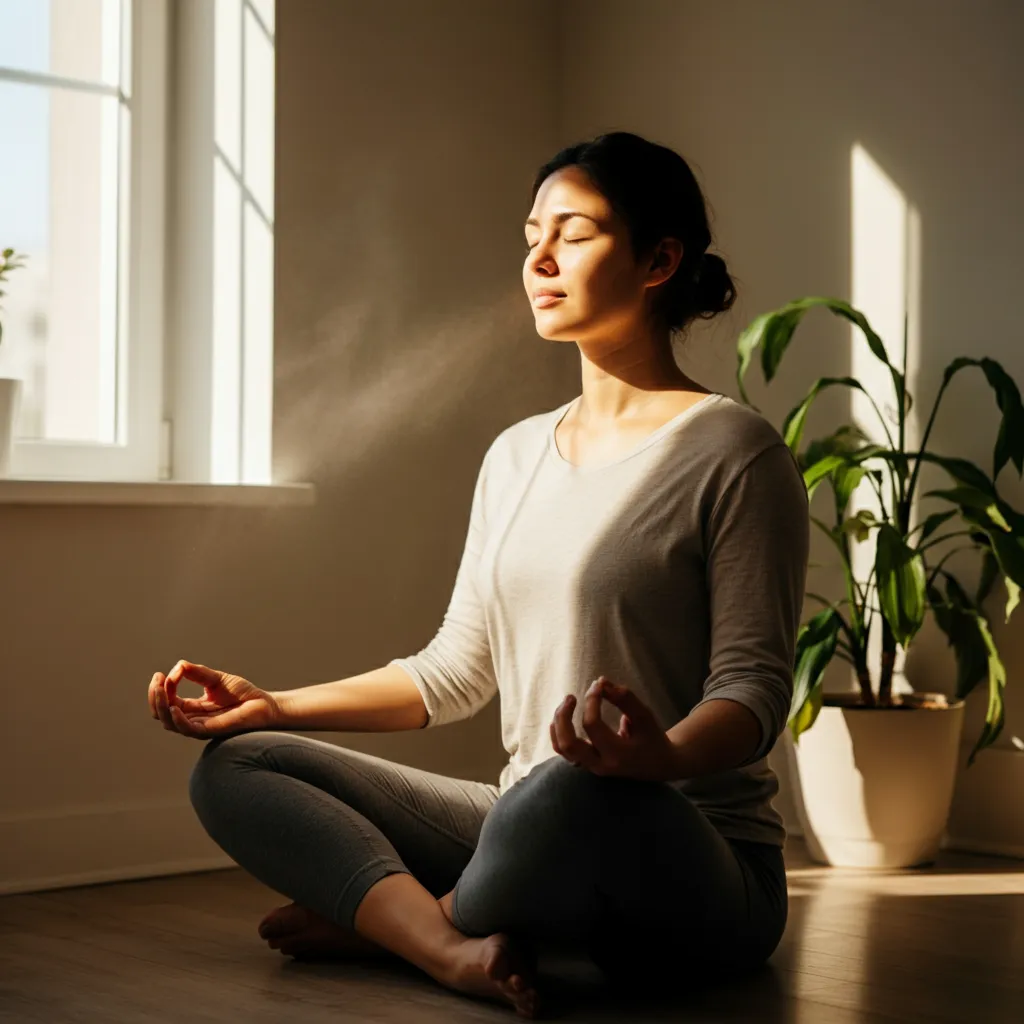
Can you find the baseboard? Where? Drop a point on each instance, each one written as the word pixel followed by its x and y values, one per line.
pixel 951 843
pixel 103 843
pixel 987 815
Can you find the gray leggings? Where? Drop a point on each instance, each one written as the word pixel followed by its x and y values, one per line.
pixel 630 871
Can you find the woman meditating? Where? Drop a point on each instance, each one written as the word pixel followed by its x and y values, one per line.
pixel 631 586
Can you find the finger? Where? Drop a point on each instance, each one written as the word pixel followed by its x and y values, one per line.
pixel 196 673
pixel 163 710
pixel 154 682
pixel 575 749
pixel 557 744
pixel 554 738
pixel 601 735
pixel 186 727
pixel 195 705
pixel 564 729
pixel 171 689
pixel 627 701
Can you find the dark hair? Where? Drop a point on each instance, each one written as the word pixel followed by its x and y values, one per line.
pixel 653 190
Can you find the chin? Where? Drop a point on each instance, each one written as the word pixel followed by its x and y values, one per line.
pixel 553 332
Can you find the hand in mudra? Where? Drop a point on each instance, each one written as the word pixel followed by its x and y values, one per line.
pixel 229 703
pixel 640 749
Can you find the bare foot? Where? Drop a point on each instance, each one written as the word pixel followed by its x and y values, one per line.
pixel 497 968
pixel 301 933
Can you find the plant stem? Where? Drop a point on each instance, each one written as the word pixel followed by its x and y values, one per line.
pixel 888 661
pixel 945 536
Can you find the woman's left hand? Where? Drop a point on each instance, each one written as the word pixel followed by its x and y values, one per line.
pixel 640 749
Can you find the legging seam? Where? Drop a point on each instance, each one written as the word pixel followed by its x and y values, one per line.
pixel 381 789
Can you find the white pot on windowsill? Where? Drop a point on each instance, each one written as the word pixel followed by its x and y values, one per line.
pixel 10 402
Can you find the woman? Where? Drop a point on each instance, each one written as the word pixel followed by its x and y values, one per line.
pixel 652 536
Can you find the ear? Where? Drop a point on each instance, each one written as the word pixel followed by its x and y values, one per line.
pixel 666 257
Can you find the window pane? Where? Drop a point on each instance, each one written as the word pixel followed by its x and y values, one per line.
pixel 227 325
pixel 228 81
pixel 59 206
pixel 70 38
pixel 259 114
pixel 265 10
pixel 258 385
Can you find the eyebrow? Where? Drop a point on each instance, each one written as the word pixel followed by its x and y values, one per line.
pixel 564 215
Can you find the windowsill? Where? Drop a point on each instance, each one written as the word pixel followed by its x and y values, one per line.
pixel 28 491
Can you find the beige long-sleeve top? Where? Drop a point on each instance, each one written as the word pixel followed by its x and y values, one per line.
pixel 677 570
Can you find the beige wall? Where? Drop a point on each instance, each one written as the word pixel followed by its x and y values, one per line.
pixel 408 137
pixel 766 101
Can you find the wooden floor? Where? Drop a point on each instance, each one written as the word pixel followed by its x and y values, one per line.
pixel 945 943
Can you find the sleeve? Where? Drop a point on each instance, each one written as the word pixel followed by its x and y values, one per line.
pixel 757 546
pixel 455 671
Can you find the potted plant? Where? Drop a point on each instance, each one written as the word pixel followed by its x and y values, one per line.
pixel 10 388
pixel 877 771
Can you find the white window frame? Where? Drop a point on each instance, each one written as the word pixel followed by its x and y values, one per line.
pixel 183 433
pixel 141 306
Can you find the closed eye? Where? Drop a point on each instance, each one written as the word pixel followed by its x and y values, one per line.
pixel 571 241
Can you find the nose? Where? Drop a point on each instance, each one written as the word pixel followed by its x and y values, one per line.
pixel 539 260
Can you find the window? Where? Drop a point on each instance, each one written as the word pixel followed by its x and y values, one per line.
pixel 141 323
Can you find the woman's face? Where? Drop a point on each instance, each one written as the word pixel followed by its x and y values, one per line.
pixel 587 257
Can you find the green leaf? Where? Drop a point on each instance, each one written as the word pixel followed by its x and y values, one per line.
pixel 933 522
pixel 1009 445
pixel 994 714
pixel 962 471
pixel 806 715
pixel 953 614
pixel 989 574
pixel 901 584
pixel 1008 547
pixel 815 647
pixel 972 498
pixel 845 480
pixel 773 331
pixel 976 654
pixel 827 465
pixel 860 524
pixel 813 475
pixel 1013 596
pixel 793 425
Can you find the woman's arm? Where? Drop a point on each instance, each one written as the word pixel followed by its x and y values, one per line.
pixel 714 737
pixel 758 539
pixel 384 700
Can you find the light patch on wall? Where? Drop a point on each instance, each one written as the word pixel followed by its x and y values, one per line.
pixel 886 287
pixel 444 359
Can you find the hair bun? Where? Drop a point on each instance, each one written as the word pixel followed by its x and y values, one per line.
pixel 714 291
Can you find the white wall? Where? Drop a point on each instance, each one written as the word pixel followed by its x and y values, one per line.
pixel 766 102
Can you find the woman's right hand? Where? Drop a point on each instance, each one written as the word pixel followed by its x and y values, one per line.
pixel 229 703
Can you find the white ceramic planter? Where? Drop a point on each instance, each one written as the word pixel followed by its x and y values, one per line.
pixel 10 402
pixel 877 783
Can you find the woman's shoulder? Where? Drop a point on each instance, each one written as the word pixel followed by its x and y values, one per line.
pixel 740 431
